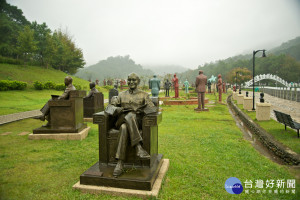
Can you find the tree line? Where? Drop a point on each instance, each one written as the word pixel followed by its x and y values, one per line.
pixel 36 44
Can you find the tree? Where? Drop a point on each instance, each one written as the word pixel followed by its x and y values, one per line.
pixel 238 75
pixel 26 45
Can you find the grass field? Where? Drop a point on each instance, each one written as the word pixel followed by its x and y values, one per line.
pixel 205 149
pixel 19 101
pixel 288 137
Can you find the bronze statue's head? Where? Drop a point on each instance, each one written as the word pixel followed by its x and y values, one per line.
pixel 92 85
pixel 174 75
pixel 200 71
pixel 68 80
pixel 219 76
pixel 133 80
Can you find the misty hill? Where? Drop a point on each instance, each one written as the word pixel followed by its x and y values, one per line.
pixel 283 60
pixel 112 67
pixel 166 69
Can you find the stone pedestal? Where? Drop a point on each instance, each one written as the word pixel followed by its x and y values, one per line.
pixel 93 105
pixel 234 95
pixel 248 103
pixel 240 99
pixel 263 111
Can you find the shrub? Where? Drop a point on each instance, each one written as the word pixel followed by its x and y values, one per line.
pixel 12 85
pixel 108 87
pixel 78 87
pixel 49 85
pixel 38 85
pixel 11 61
pixel 60 87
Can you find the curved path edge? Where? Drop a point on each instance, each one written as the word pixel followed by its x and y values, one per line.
pixel 278 149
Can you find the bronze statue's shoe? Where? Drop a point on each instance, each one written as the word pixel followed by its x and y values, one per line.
pixel 142 153
pixel 40 117
pixel 118 169
pixel 46 125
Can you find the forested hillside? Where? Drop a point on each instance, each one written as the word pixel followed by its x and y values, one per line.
pixel 283 61
pixel 113 67
pixel 29 43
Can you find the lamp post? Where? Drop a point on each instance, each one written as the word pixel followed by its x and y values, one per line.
pixel 263 55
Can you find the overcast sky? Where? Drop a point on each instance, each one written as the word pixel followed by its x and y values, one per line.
pixel 180 32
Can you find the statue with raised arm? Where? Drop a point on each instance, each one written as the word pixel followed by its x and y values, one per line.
pixel 129 107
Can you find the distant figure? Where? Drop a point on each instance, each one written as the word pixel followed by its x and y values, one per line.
pixel 224 87
pixel 234 88
pixel 46 109
pixel 176 85
pixel 104 82
pixel 167 87
pixel 97 82
pixel 201 82
pixel 93 90
pixel 209 86
pixel 154 85
pixel 186 85
pixel 220 85
pixel 113 92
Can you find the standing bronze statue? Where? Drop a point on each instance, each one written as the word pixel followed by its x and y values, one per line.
pixel 201 82
pixel 167 87
pixel 154 85
pixel 220 85
pixel 46 109
pixel 176 86
pixel 130 106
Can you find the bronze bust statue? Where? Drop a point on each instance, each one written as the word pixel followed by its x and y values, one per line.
pixel 130 107
pixel 93 90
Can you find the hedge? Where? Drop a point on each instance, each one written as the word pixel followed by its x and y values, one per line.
pixel 12 85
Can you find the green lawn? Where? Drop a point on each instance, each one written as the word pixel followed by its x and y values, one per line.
pixel 205 149
pixel 19 101
pixel 287 137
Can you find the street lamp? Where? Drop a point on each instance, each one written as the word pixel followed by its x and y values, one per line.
pixel 263 55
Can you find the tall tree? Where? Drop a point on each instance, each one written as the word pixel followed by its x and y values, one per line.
pixel 26 45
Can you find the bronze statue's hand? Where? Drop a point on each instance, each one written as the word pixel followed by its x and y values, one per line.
pixel 119 110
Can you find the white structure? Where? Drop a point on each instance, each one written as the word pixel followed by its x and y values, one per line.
pixel 272 77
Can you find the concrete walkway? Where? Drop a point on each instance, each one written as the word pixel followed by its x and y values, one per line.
pixel 4 119
pixel 18 116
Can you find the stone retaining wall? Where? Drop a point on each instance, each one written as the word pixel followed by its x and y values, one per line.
pixel 265 138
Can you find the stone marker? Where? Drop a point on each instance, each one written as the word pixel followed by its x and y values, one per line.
pixel 234 95
pixel 6 133
pixel 240 99
pixel 263 109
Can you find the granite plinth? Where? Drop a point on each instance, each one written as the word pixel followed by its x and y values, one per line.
pixel 240 99
pixel 128 192
pixel 248 103
pixel 263 111
pixel 61 136
pixel 138 178
pixel 234 95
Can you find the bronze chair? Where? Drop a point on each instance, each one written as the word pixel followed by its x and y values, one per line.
pixel 66 116
pixel 108 137
pixel 93 104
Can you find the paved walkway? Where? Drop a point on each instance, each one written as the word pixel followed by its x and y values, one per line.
pixel 283 105
pixel 4 119
pixel 18 116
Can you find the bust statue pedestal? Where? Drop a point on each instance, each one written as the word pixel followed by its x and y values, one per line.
pixel 240 99
pixel 248 104
pixel 263 111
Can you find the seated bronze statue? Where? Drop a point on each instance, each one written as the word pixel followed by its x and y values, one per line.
pixel 129 108
pixel 92 91
pixel 46 109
